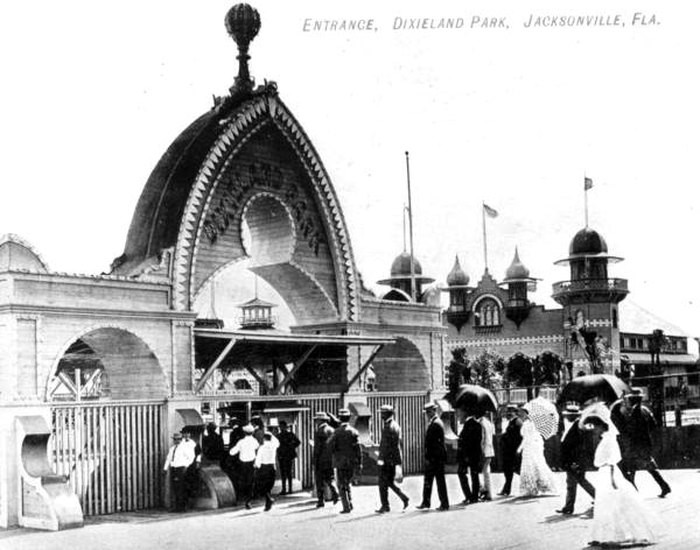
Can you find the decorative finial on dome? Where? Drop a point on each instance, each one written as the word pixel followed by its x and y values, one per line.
pixel 242 23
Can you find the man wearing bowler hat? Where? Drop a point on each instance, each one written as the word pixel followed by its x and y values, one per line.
pixel 322 459
pixel 435 458
pixel 574 459
pixel 344 446
pixel 390 459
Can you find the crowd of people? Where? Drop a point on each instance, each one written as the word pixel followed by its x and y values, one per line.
pixel 616 441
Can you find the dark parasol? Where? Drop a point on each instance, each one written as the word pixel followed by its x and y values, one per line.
pixel 604 387
pixel 470 396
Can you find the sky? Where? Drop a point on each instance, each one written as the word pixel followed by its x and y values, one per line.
pixel 514 116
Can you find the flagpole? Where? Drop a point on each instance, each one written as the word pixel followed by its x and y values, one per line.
pixel 585 198
pixel 483 223
pixel 410 230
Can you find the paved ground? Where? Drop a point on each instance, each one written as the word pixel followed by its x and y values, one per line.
pixel 294 522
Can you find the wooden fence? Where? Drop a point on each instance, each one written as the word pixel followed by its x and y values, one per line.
pixel 408 411
pixel 111 452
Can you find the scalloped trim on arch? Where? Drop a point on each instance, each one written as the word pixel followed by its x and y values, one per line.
pixel 16 239
pixel 241 126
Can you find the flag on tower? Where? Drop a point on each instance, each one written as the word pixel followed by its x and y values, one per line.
pixel 587 183
pixel 490 211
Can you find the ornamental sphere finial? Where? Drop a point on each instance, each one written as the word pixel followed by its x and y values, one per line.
pixel 242 23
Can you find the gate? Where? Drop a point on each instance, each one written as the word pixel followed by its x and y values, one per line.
pixel 111 452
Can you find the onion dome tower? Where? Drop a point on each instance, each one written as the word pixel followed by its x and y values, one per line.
pixel 458 288
pixel 518 282
pixel 588 260
pixel 590 299
pixel 400 278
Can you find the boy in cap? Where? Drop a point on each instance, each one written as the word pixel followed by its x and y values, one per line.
pixel 344 446
pixel 390 459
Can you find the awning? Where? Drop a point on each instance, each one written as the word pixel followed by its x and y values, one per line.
pixel 246 348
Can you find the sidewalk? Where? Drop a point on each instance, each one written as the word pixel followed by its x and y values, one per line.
pixel 294 522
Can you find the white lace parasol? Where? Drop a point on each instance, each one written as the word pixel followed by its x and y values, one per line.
pixel 544 416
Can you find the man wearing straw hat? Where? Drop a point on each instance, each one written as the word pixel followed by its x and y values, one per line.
pixel 390 460
pixel 573 459
pixel 246 449
pixel 180 456
pixel 344 446
pixel 435 458
pixel 322 460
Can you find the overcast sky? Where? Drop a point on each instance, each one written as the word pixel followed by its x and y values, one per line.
pixel 94 92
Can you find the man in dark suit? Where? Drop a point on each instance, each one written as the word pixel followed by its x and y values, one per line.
pixel 322 459
pixel 344 446
pixel 435 458
pixel 510 441
pixel 390 459
pixel 635 422
pixel 286 454
pixel 574 459
pixel 469 457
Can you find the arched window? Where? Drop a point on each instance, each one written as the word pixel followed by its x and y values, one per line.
pixel 488 314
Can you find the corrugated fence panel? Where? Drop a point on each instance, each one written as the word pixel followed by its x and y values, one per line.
pixel 408 412
pixel 111 453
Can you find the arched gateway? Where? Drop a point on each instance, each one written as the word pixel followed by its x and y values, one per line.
pixel 97 371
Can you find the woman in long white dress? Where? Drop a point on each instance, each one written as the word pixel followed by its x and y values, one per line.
pixel 619 514
pixel 535 475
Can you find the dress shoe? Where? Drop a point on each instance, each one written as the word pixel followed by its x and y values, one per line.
pixel 268 506
pixel 247 506
pixel 664 492
pixel 466 502
pixel 335 499
pixel 442 508
pixel 346 511
pixel 565 511
pixel 405 503
pixel 320 505
pixel 423 506
pixel 382 510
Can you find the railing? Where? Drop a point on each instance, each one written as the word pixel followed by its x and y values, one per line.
pixel 615 285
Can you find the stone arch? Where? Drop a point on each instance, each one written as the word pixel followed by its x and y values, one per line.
pixel 130 368
pixel 262 148
pixel 401 367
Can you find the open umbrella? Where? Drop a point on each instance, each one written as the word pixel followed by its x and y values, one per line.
pixel 470 396
pixel 604 387
pixel 544 416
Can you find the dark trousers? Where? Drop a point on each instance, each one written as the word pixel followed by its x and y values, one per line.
pixel 387 474
pixel 510 467
pixel 345 476
pixel 470 494
pixel 324 478
pixel 178 485
pixel 286 473
pixel 436 472
pixel 575 477
pixel 629 469
pixel 246 480
pixel 265 481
